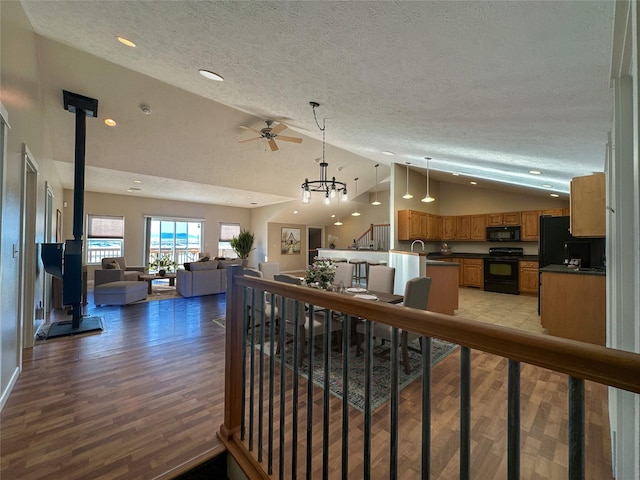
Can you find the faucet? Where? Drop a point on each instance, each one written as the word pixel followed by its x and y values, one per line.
pixel 414 242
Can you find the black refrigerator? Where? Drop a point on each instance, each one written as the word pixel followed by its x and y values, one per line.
pixel 554 234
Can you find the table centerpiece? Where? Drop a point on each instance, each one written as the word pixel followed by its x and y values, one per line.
pixel 320 274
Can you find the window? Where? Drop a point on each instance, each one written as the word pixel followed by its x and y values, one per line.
pixel 227 232
pixel 105 237
pixel 180 239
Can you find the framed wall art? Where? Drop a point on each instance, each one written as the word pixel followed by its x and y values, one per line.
pixel 290 241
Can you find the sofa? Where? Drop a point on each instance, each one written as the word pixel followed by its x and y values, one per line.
pixel 115 269
pixel 204 278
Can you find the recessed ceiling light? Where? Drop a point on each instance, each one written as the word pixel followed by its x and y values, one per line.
pixel 546 185
pixel 126 42
pixel 333 216
pixel 386 152
pixel 473 183
pixel 211 75
pixel 228 203
pixel 455 174
pixel 133 189
pixel 535 172
pixel 295 212
pixel 110 122
pixel 137 181
pixel 554 195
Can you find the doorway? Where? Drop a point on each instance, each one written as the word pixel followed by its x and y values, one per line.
pixel 48 238
pixel 28 250
pixel 314 234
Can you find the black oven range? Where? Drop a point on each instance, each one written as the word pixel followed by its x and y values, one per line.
pixel 501 270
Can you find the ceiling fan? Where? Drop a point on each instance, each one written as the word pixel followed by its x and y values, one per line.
pixel 270 134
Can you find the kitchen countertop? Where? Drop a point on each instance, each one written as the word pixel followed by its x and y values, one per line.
pixel 573 271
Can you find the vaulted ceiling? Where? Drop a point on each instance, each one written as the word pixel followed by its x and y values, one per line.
pixel 490 90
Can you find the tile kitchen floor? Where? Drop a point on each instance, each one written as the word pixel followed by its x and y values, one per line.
pixel 516 311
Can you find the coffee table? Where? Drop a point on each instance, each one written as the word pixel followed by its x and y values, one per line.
pixel 150 277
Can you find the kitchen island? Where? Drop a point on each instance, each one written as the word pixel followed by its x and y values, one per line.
pixel 443 295
pixel 573 303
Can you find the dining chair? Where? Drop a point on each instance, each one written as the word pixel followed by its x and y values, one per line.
pixel 381 278
pixel 416 295
pixel 344 274
pixel 269 269
pixel 289 309
pixel 260 300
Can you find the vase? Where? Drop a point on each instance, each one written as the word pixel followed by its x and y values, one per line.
pixel 162 273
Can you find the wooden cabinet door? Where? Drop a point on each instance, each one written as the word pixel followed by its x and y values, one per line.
pixel 554 212
pixel 403 225
pixel 478 227
pixel 473 272
pixel 418 221
pixel 495 219
pixel 528 279
pixel 511 218
pixel 530 225
pixel 448 228
pixel 588 206
pixel 463 231
pixel 434 227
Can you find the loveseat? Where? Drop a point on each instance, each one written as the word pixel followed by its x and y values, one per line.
pixel 204 278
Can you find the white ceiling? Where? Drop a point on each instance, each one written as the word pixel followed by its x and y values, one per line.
pixel 487 89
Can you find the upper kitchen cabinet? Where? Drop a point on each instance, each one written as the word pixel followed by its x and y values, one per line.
pixel 463 227
pixel 530 225
pixel 588 206
pixel 478 227
pixel 412 225
pixel 448 228
pixel 434 227
pixel 500 219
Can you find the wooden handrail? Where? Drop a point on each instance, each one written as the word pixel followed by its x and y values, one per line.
pixel 616 368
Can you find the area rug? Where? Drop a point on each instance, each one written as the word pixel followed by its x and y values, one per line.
pixel 381 379
pixel 160 292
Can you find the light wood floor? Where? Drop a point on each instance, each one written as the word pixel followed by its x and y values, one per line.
pixel 145 397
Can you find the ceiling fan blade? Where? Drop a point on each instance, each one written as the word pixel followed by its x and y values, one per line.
pixel 273 145
pixel 290 139
pixel 250 139
pixel 249 128
pixel 278 128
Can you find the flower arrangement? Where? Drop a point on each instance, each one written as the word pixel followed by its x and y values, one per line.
pixel 162 263
pixel 320 273
pixel 333 240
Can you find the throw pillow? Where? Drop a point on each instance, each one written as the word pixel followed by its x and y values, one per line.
pixel 187 266
pixel 211 265
pixel 113 265
pixel 204 259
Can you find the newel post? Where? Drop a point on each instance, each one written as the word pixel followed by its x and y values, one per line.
pixel 233 356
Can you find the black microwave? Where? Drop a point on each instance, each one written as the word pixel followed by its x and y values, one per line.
pixel 503 234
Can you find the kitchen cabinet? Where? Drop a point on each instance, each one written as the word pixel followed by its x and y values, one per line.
pixel 434 227
pixel 572 305
pixel 587 205
pixel 412 225
pixel 448 228
pixel 478 227
pixel 463 227
pixel 443 295
pixel 473 275
pixel 530 225
pixel 501 219
pixel 554 212
pixel 528 278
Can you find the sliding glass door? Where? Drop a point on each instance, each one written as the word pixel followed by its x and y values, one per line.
pixel 181 239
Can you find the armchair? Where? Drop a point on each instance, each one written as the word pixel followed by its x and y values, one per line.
pixel 115 269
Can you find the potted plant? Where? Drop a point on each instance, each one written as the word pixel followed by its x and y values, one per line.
pixel 162 264
pixel 243 245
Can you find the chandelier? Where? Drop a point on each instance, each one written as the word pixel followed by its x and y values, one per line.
pixel 330 188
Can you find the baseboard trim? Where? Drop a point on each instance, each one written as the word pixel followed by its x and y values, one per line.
pixel 7 391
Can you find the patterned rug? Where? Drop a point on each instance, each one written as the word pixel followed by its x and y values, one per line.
pixel 381 380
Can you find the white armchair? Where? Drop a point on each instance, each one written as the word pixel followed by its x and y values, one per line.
pixel 115 269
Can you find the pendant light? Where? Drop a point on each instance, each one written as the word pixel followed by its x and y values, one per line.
pixel 407 195
pixel 356 213
pixel 376 202
pixel 338 222
pixel 427 198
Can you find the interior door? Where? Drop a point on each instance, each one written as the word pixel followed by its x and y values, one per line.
pixel 314 235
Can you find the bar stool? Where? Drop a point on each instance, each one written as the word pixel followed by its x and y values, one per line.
pixel 358 274
pixel 373 263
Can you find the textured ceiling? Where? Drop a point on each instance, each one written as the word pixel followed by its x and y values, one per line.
pixel 487 89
